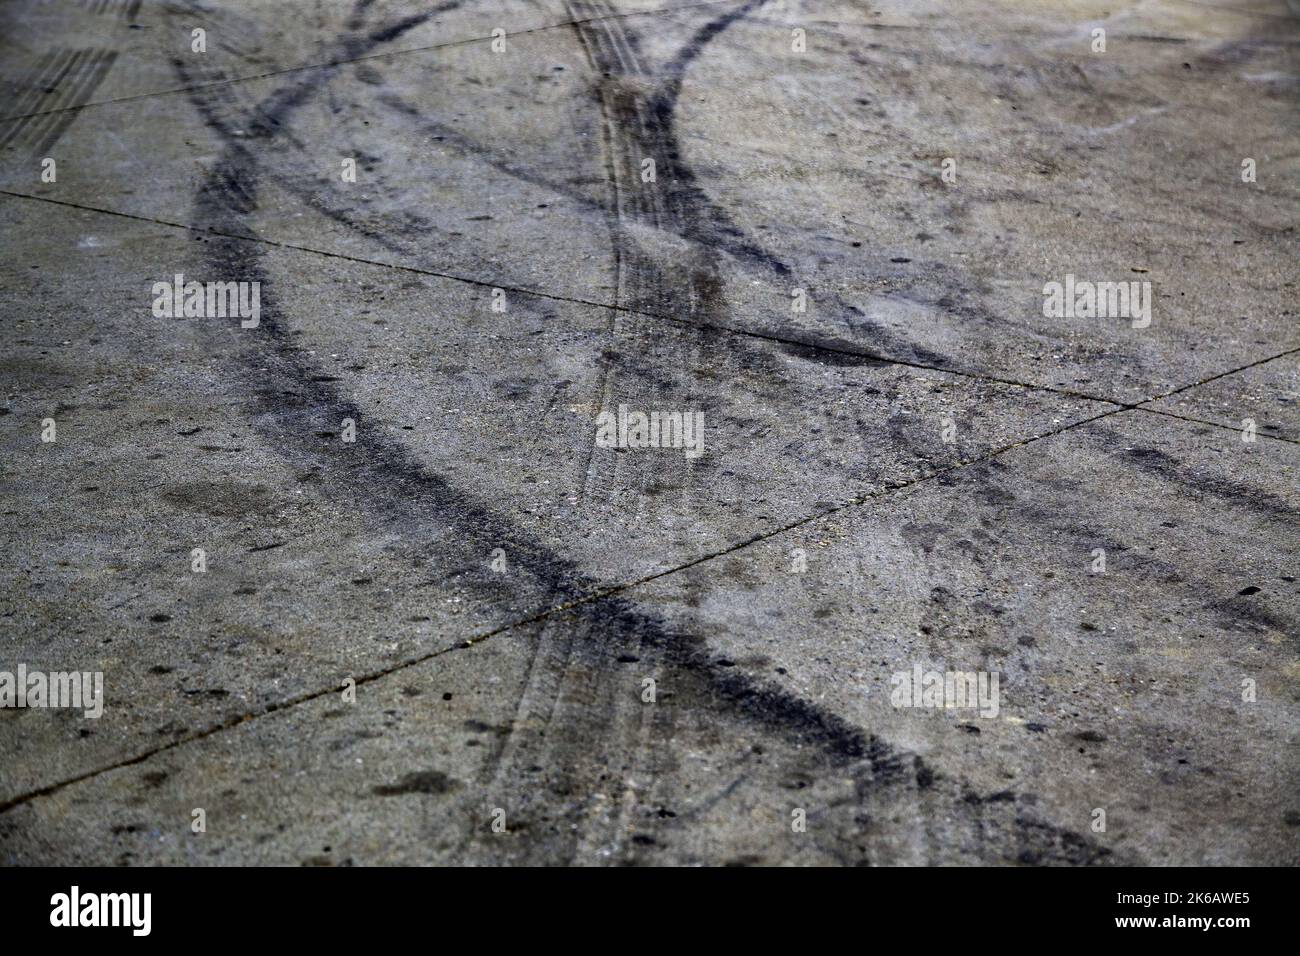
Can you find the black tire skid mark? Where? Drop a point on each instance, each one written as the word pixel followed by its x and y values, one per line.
pixel 638 116
pixel 641 122
pixel 611 59
pixel 629 134
pixel 554 645
pixel 449 135
pixel 1166 468
pixel 640 105
pixel 1070 847
pixel 65 79
pixel 288 398
pixel 224 118
pixel 27 94
pixel 617 224
pixel 691 200
pixel 125 10
pixel 769 383
pixel 236 33
pixel 619 64
pixel 560 686
pixel 224 109
pixel 227 197
pixel 638 119
pixel 633 121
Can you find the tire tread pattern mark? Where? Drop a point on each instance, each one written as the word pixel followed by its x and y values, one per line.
pixel 290 400
pixel 63 80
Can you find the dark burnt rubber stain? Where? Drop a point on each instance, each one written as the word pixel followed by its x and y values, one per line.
pixel 421 781
pixel 290 398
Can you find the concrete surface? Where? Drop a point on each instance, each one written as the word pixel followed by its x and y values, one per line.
pixel 920 469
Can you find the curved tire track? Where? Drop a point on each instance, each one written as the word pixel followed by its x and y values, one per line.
pixel 288 402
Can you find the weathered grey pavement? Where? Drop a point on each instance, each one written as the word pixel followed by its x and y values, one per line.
pixel 918 468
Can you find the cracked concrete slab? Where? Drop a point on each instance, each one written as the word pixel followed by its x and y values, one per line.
pixel 1265 395
pixel 989 569
pixel 994 569
pixel 395 474
pixel 837 190
pixel 200 464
